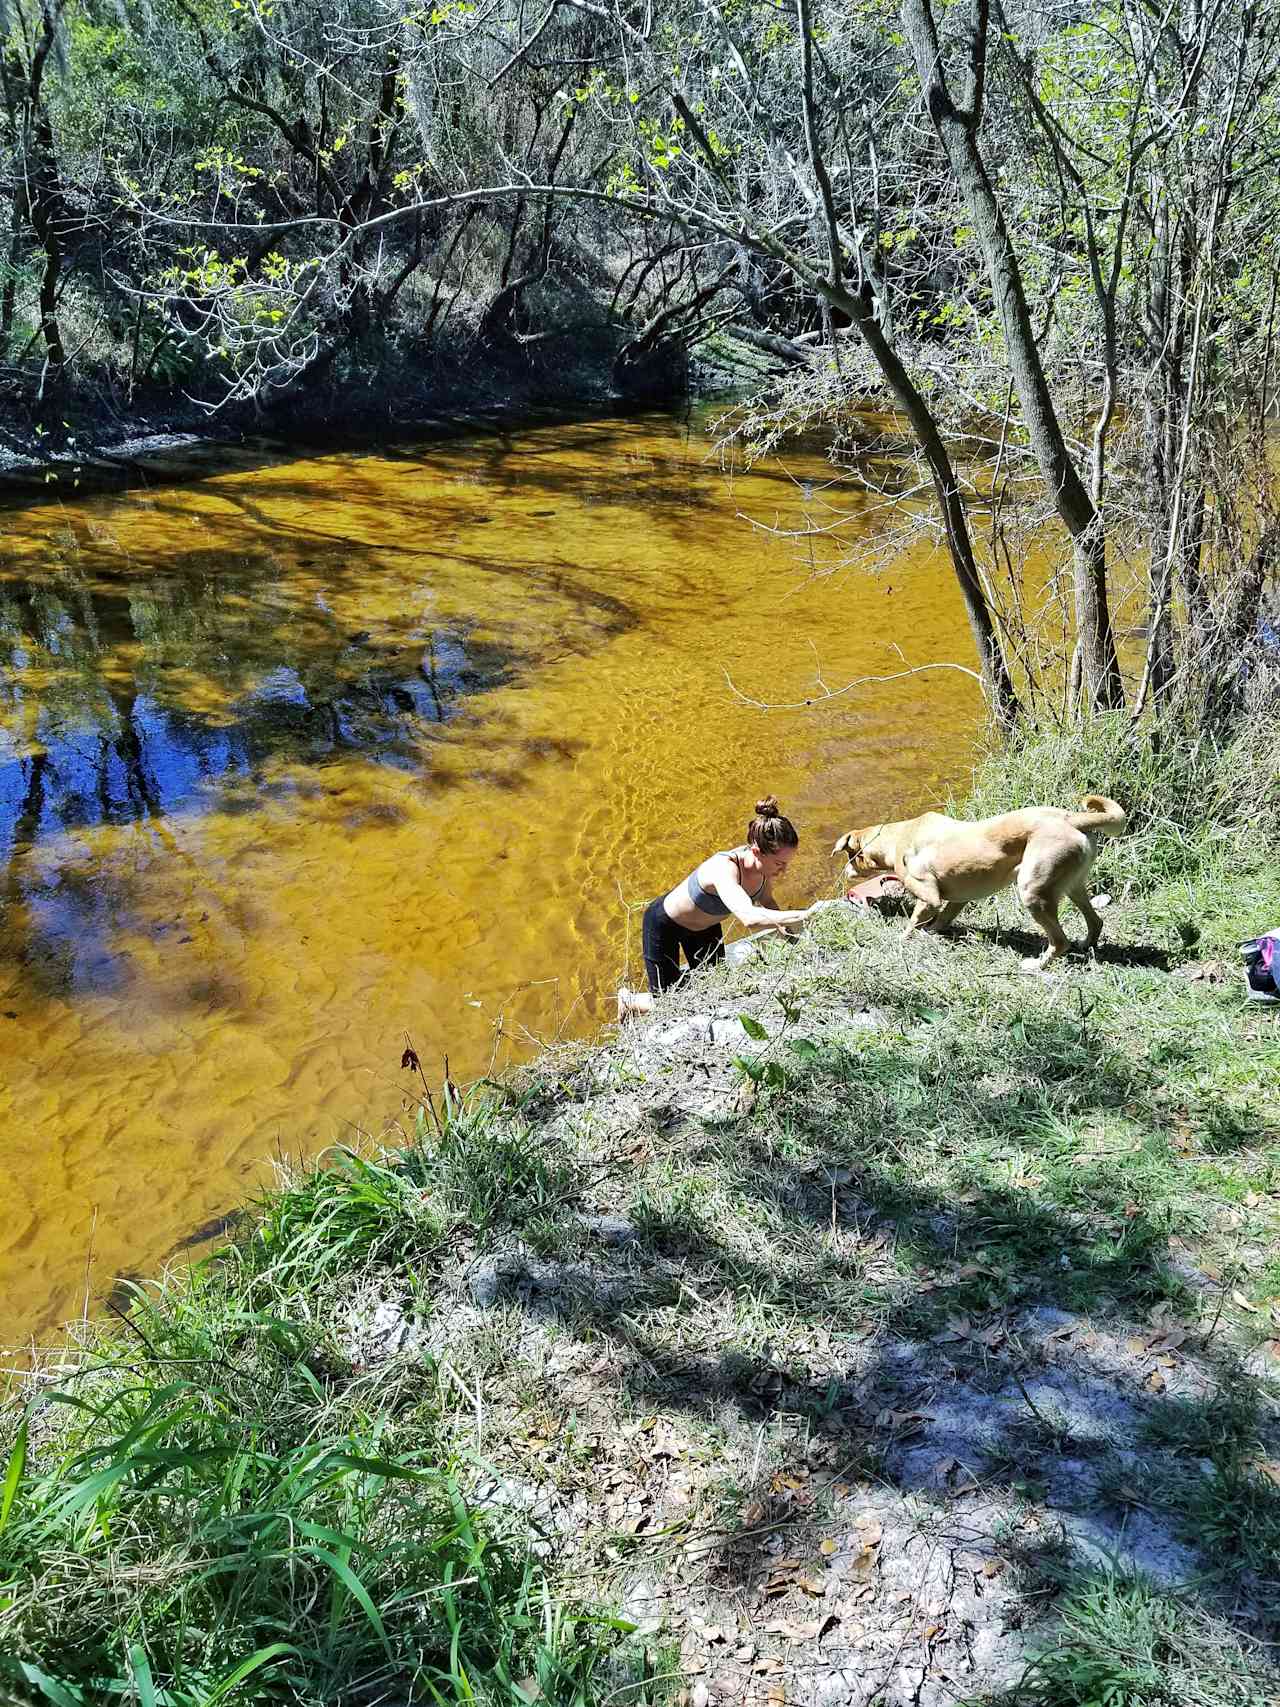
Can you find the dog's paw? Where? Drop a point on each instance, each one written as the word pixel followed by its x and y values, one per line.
pixel 1033 963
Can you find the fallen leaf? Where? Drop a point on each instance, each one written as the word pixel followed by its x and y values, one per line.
pixel 1169 1341
pixel 1135 1345
pixel 1240 1299
pixel 828 1546
pixel 814 1629
pixel 753 1513
pixel 1155 1382
pixel 871 1528
pixel 1207 971
pixel 910 1420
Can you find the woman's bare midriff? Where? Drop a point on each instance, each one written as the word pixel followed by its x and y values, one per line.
pixel 681 911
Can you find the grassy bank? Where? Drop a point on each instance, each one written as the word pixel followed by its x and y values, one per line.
pixel 913 1340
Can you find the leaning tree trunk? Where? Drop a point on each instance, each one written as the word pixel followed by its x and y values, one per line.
pixel 859 303
pixel 1160 664
pixel 860 306
pixel 957 129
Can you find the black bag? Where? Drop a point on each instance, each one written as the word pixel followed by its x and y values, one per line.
pixel 1261 956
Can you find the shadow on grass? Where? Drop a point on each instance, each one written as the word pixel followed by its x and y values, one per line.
pixel 1025 942
pixel 1006 1332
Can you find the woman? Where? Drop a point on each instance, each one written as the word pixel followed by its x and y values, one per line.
pixel 738 882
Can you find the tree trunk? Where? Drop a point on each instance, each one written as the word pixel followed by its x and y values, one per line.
pixel 957 131
pixel 8 300
pixel 47 206
pixel 1160 663
pixel 1227 662
pixel 995 671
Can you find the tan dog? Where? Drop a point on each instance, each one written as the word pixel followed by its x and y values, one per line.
pixel 946 863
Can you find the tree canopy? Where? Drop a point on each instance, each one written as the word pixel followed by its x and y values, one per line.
pixel 1051 229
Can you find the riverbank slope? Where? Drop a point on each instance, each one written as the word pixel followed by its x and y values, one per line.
pixel 84 444
pixel 877 1324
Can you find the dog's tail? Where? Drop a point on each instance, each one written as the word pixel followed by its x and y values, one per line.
pixel 1104 816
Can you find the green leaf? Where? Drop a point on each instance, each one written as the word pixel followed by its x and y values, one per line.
pixel 49 1687
pixel 140 1666
pixel 13 1475
pixel 255 1662
pixel 351 1582
pixel 752 1027
pixel 804 1047
pixel 82 1494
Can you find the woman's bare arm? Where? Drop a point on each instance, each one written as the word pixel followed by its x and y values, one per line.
pixel 747 912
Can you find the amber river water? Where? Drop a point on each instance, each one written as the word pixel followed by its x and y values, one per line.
pixel 303 759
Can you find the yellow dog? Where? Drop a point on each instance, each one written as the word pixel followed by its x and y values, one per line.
pixel 945 863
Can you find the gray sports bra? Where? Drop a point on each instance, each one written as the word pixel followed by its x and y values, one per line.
pixel 704 899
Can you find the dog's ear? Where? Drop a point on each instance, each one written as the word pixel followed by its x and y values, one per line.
pixel 848 844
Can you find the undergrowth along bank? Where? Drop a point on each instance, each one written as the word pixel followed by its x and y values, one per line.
pixel 915 1340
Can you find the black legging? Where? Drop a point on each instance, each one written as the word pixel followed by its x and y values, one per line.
pixel 663 939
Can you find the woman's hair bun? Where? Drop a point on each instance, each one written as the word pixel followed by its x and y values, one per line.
pixel 768 807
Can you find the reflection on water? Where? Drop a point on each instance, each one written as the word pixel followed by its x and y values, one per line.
pixel 297 760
